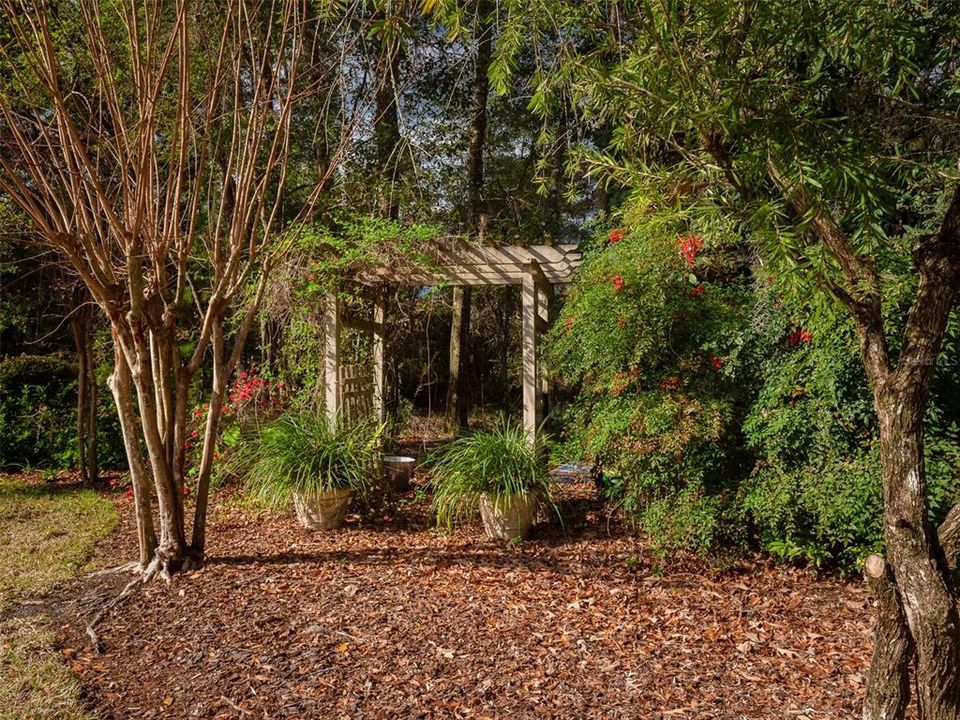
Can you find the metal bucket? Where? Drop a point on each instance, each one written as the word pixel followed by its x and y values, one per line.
pixel 398 469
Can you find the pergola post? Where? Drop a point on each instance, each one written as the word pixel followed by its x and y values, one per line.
pixel 331 358
pixel 379 364
pixel 531 370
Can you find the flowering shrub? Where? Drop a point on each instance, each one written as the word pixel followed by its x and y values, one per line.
pixel 251 401
pixel 657 401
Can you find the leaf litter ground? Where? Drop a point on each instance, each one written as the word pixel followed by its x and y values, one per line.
pixel 391 619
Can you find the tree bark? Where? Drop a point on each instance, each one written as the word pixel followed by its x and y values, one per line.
pixel 81 338
pixel 458 405
pixel 92 415
pixel 918 559
pixel 888 686
pixel 458 408
pixel 386 125
pixel 918 566
pixel 120 385
pixel 888 682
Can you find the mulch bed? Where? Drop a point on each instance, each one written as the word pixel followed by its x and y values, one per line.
pixel 390 619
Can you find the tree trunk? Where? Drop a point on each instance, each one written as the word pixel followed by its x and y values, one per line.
pixel 171 551
pixel 458 407
pixel 92 415
pixel 386 124
pixel 888 683
pixel 888 686
pixel 120 385
pixel 81 339
pixel 198 540
pixel 915 557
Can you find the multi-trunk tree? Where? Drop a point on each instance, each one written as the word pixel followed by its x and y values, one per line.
pixel 151 145
pixel 830 130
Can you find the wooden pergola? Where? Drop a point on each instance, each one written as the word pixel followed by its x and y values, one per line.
pixel 535 269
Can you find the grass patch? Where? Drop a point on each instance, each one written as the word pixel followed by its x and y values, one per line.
pixel 47 535
pixel 34 682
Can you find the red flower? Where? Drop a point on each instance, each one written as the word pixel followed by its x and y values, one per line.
pixel 129 492
pixel 186 490
pixel 617 282
pixel 698 291
pixel 800 335
pixel 689 247
pixel 568 323
pixel 617 235
pixel 714 360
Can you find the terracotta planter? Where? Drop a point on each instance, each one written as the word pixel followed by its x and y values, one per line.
pixel 322 511
pixel 511 517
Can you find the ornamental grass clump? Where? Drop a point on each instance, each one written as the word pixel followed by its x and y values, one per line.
pixel 499 466
pixel 304 454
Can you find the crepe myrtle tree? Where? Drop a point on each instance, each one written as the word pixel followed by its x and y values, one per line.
pixel 150 144
pixel 831 130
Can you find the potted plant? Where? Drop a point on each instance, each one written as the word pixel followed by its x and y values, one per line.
pixel 498 472
pixel 316 464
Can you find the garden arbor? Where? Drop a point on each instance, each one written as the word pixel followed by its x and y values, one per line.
pixel 535 269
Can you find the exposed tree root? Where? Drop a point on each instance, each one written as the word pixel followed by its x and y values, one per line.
pixel 98 618
pixel 160 566
pixel 132 566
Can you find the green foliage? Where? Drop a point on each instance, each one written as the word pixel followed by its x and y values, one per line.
pixel 500 462
pixel 38 415
pixel 304 453
pixel 363 242
pixel 38 396
pixel 815 493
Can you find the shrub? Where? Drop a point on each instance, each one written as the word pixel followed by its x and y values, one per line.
pixel 38 396
pixel 815 494
pixel 650 340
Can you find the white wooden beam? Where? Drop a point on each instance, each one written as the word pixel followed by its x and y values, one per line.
pixel 331 359
pixel 531 380
pixel 379 364
pixel 462 276
pixel 508 254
